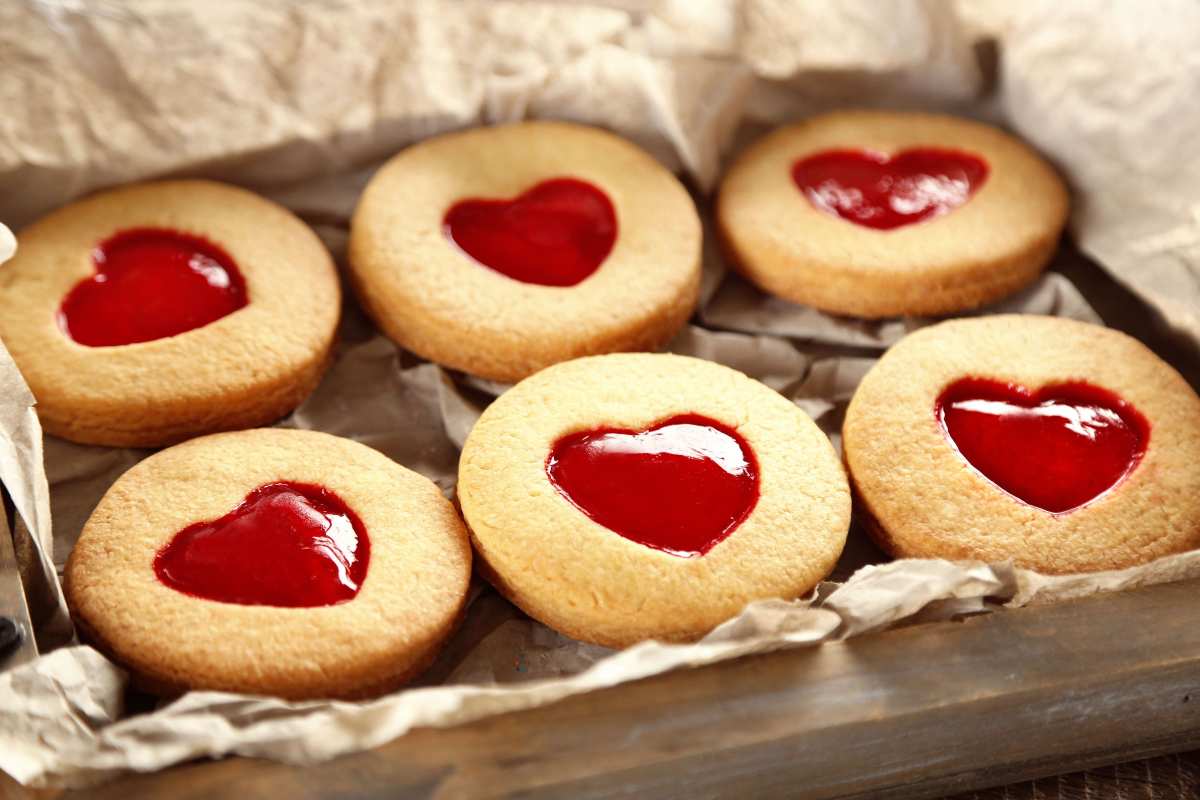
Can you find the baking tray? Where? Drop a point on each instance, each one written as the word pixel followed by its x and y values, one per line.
pixel 919 711
pixel 914 712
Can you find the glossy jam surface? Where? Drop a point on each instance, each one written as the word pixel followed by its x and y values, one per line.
pixel 680 486
pixel 871 189
pixel 1057 448
pixel 287 544
pixel 555 234
pixel 151 283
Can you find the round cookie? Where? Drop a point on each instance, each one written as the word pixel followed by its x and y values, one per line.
pixel 623 497
pixel 502 250
pixel 226 302
pixel 881 213
pixel 191 523
pixel 1058 445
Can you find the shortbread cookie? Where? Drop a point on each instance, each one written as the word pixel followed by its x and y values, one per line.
pixel 633 496
pixel 499 251
pixel 1057 445
pixel 879 214
pixel 147 314
pixel 281 562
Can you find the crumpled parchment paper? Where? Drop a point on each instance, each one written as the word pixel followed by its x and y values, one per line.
pixel 302 102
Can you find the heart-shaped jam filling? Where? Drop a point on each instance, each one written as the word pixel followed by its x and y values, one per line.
pixel 680 486
pixel 287 544
pixel 871 189
pixel 151 283
pixel 555 234
pixel 1057 448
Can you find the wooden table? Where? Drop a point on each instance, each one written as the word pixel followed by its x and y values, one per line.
pixel 917 712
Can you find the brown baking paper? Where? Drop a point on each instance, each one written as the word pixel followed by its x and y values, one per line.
pixel 303 102
pixel 21 473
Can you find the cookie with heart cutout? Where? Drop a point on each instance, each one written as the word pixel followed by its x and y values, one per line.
pixel 879 213
pixel 282 562
pixel 502 250
pixel 147 314
pixel 1058 445
pixel 625 497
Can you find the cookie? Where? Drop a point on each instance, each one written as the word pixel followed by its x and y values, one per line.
pixel 281 562
pixel 625 497
pixel 880 213
pixel 154 312
pixel 1058 445
pixel 502 250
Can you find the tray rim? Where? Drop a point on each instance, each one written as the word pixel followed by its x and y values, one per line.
pixel 860 718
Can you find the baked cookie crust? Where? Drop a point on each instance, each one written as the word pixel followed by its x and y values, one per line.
pixel 410 601
pixel 579 577
pixel 924 500
pixel 433 299
pixel 248 368
pixel 991 246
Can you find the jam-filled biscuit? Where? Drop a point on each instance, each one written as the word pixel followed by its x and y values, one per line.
pixel 502 250
pixel 281 562
pixel 1061 446
pixel 624 497
pixel 878 214
pixel 154 312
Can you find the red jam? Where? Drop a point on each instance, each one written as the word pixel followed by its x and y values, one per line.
pixel 288 544
pixel 151 283
pixel 680 486
pixel 871 189
pixel 555 234
pixel 1057 448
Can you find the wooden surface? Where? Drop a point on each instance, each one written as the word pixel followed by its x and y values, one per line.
pixel 927 711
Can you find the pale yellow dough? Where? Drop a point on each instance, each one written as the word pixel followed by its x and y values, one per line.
pixel 589 582
pixel 924 500
pixel 412 598
pixel 432 298
pixel 994 244
pixel 248 368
